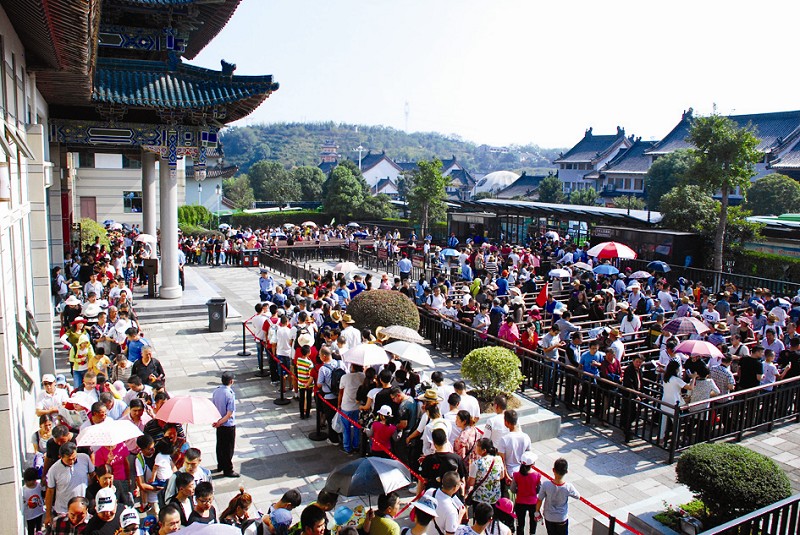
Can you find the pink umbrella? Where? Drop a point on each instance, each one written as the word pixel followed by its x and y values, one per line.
pixel 698 347
pixel 188 410
pixel 685 325
pixel 611 249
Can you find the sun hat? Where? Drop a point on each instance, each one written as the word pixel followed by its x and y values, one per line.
pixel 614 332
pixel 305 339
pixel 128 518
pixel 75 285
pixel 91 310
pixel 72 301
pixel 380 335
pixel 426 504
pixel 528 458
pixel 336 316
pixel 429 395
pixel 385 410
pixel 106 500
pixel 505 505
pixel 347 318
pixel 79 319
pixel 342 515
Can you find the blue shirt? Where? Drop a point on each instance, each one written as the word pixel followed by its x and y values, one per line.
pixel 135 349
pixel 466 273
pixel 586 362
pixel 502 286
pixel 225 401
pixel 404 265
pixel 266 284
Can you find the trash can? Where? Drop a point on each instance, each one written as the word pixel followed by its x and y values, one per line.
pixel 217 314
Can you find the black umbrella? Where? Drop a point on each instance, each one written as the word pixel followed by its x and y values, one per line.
pixel 368 476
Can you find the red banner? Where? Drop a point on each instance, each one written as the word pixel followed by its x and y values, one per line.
pixel 383 254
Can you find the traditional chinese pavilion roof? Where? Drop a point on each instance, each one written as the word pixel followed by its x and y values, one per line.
pixel 216 172
pixel 790 160
pixel 593 148
pixel 631 161
pixel 772 129
pixel 524 186
pixel 461 178
pixel 212 14
pixel 370 160
pixel 152 84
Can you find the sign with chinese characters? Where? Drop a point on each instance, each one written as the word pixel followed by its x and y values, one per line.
pixel 418 261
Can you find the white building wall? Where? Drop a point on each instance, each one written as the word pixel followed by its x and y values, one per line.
pixel 24 265
pixel 383 169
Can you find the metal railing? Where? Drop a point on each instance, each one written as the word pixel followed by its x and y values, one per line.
pixel 780 518
pixel 638 414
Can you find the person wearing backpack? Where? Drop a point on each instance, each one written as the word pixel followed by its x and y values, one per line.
pixel 329 381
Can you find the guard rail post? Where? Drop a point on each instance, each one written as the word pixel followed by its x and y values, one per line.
pixel 244 352
pixel 318 435
pixel 612 524
pixel 282 400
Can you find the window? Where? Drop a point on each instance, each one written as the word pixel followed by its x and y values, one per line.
pixel 132 202
pixel 638 184
pixel 85 159
pixel 627 183
pixel 131 162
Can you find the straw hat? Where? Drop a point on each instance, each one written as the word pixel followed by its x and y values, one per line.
pixel 430 395
pixel 347 318
pixel 75 285
pixel 379 334
pixel 336 316
pixel 305 339
pixel 614 332
pixel 721 327
pixel 685 300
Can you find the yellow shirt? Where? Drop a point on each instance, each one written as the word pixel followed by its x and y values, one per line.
pixel 99 364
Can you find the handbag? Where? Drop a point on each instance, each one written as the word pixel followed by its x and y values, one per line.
pixel 468 499
pixel 336 424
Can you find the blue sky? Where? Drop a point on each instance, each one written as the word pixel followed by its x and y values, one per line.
pixel 514 71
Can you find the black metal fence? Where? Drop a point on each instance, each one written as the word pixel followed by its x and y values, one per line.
pixel 777 519
pixel 717 279
pixel 638 414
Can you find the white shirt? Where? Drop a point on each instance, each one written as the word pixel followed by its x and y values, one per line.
pixel 666 300
pixel 352 337
pixel 448 509
pixel 495 428
pixel 427 439
pixel 285 336
pixel 470 404
pixel 512 446
pixel 710 316
pixel 258 326
pixel 45 401
pixel 444 392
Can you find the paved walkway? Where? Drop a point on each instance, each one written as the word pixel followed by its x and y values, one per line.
pixel 273 452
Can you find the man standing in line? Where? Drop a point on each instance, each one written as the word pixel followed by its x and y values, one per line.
pixel 225 401
pixel 404 265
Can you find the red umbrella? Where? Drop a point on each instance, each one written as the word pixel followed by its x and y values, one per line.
pixel 611 249
pixel 188 410
pixel 698 347
pixel 685 325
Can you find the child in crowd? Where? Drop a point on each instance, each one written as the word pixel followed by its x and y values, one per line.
pixel 525 486
pixel 552 500
pixel 163 467
pixel 381 432
pixel 305 381
pixel 99 363
pixel 771 371
pixel 33 501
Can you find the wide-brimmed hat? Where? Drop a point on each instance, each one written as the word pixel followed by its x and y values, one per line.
pixel 91 310
pixel 78 320
pixel 72 301
pixel 623 305
pixel 721 327
pixel 426 504
pixel 505 505
pixel 347 318
pixel 336 316
pixel 305 339
pixel 75 285
pixel 614 332
pixel 430 395
pixel 518 300
pixel 380 335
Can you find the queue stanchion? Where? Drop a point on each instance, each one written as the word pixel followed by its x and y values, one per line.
pixel 244 352
pixel 318 435
pixel 282 400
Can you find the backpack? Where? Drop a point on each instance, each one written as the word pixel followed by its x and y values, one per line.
pixel 336 378
pixel 642 306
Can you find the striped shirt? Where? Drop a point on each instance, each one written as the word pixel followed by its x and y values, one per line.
pixel 304 367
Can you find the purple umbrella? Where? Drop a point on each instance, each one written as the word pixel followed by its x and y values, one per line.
pixel 685 325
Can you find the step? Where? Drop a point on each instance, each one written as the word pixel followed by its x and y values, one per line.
pixel 541 424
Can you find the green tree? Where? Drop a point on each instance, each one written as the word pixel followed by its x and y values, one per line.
pixel 484 195
pixel 238 190
pixel 427 196
pixel 774 195
pixel 724 160
pixel 271 182
pixel 551 190
pixel 583 197
pixel 310 179
pixel 629 202
pixel 375 207
pixel 666 172
pixel 345 193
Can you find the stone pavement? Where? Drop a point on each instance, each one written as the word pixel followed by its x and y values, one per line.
pixel 273 452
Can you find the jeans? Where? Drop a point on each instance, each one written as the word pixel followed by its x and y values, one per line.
pixel 350 433
pixel 77 378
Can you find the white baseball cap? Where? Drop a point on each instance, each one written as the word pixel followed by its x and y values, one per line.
pixel 129 518
pixel 106 500
pixel 385 410
pixel 48 378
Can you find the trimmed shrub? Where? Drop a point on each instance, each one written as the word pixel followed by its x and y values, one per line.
pixel 731 480
pixel 273 219
pixel 90 229
pixel 768 266
pixel 194 230
pixel 492 371
pixel 194 214
pixel 381 308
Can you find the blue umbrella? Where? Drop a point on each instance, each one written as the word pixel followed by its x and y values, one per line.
pixel 108 222
pixel 658 265
pixel 450 252
pixel 605 269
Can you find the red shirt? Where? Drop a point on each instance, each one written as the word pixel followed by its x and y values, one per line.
pixel 382 434
pixel 527 487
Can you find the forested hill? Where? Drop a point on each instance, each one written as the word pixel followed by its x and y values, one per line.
pixel 300 144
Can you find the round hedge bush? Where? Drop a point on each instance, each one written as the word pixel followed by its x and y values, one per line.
pixel 381 308
pixel 731 480
pixel 492 371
